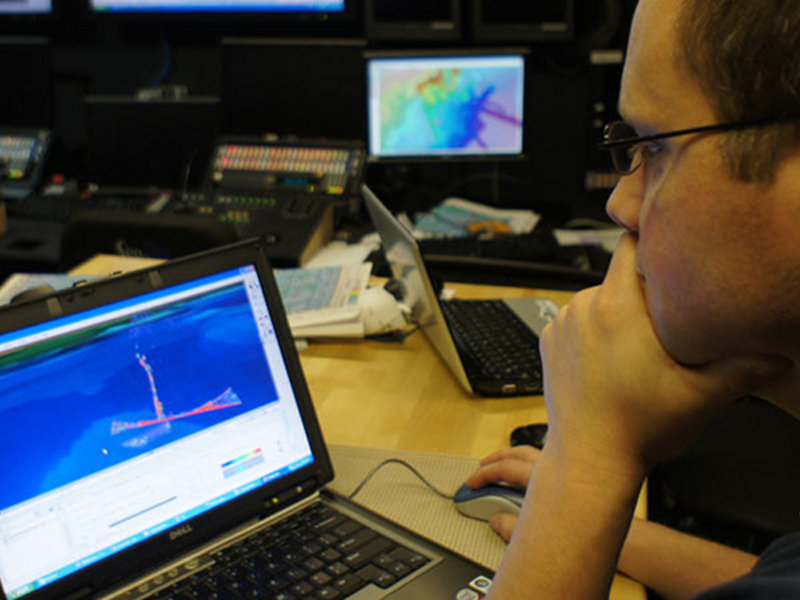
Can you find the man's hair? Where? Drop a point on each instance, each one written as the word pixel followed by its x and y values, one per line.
pixel 745 55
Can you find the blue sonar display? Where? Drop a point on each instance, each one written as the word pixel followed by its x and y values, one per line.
pixel 127 386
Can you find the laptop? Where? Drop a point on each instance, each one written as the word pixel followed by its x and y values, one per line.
pixel 158 441
pixel 491 346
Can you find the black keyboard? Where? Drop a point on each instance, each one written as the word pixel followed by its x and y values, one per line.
pixel 494 344
pixel 62 208
pixel 539 246
pixel 316 553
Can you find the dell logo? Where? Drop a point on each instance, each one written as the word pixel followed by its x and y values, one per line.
pixel 180 532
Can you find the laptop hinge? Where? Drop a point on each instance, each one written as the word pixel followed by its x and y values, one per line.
pixel 81 593
pixel 288 497
pixel 54 307
pixel 155 279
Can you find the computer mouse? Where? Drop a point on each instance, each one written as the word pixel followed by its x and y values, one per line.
pixel 532 435
pixel 483 502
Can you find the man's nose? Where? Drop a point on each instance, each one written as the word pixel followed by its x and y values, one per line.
pixel 625 202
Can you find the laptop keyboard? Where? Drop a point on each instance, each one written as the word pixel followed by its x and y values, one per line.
pixel 317 553
pixel 495 345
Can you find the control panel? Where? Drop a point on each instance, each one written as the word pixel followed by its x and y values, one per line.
pixel 288 193
pixel 292 225
pixel 333 170
pixel 22 158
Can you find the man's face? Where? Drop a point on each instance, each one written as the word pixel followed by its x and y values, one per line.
pixel 719 259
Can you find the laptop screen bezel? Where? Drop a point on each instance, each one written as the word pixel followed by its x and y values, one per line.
pixel 162 548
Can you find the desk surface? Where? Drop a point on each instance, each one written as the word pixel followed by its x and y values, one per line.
pixel 400 396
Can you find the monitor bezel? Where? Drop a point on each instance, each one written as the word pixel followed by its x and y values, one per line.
pixel 413 29
pixel 522 52
pixel 523 31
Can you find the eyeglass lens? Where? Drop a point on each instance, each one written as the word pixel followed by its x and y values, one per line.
pixel 626 159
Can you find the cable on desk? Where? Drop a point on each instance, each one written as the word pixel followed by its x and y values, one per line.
pixel 402 463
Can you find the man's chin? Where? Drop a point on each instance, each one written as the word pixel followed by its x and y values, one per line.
pixel 683 348
pixel 678 339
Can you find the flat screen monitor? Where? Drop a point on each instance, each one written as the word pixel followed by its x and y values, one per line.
pixel 26 7
pixel 445 105
pixel 511 21
pixel 413 19
pixel 220 6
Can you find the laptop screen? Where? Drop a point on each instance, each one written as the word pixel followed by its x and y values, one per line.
pixel 124 421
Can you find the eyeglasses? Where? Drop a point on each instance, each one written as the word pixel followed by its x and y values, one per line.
pixel 627 149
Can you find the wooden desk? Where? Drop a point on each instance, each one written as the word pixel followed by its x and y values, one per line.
pixel 402 396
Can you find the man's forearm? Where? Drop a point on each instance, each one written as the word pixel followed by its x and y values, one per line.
pixel 677 565
pixel 567 540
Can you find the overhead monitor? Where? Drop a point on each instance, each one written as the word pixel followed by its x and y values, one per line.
pixel 412 19
pixel 26 7
pixel 220 6
pixel 511 21
pixel 448 105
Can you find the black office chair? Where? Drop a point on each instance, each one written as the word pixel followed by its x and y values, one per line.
pixel 140 234
pixel 738 482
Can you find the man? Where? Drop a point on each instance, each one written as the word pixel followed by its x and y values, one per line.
pixel 701 305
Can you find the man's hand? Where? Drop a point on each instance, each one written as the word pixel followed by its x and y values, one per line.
pixel 673 564
pixel 513 466
pixel 615 399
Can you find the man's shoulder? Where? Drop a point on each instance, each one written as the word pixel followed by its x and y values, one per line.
pixel 776 576
pixel 783 551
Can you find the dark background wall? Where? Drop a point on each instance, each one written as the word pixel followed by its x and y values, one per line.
pixel 305 78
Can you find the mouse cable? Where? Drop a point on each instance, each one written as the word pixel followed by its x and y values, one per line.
pixel 402 463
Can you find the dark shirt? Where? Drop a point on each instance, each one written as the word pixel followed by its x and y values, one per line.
pixel 776 576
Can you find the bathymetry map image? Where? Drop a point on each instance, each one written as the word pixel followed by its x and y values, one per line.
pixel 102 395
pixel 426 110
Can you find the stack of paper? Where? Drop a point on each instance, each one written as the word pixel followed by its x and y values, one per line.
pixel 325 302
pixel 456 217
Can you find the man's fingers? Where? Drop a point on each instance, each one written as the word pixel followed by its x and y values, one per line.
pixel 503 525
pixel 523 452
pixel 622 269
pixel 509 470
